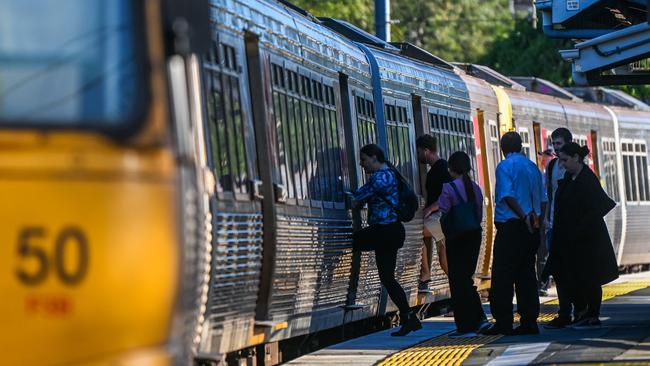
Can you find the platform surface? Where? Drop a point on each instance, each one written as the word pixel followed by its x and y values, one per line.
pixel 623 339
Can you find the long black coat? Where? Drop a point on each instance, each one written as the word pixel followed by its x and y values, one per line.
pixel 580 235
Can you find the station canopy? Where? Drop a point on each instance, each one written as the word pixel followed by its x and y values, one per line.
pixel 612 38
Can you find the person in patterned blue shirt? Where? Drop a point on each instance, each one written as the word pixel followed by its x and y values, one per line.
pixel 385 232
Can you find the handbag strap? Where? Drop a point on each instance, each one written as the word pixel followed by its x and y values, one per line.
pixel 460 198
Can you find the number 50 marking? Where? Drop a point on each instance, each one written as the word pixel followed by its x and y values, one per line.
pixel 67 240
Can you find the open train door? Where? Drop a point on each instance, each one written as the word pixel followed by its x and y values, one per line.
pixel 537 138
pixel 485 178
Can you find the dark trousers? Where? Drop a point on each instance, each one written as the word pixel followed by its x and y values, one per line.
pixel 588 299
pixel 542 256
pixel 386 258
pixel 565 294
pixel 514 265
pixel 462 255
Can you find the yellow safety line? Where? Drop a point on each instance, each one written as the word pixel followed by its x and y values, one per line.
pixel 442 350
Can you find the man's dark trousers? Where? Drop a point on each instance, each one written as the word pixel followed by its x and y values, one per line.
pixel 514 266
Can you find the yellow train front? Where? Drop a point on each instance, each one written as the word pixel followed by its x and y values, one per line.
pixel 93 174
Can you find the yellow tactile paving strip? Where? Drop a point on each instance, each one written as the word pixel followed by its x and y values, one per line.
pixel 440 350
pixel 443 350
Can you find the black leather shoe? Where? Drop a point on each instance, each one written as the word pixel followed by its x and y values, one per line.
pixel 411 324
pixel 525 330
pixel 495 329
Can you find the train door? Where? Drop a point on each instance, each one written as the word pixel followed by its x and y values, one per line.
pixel 236 209
pixel 311 266
pixel 484 177
pixel 365 289
pixel 400 150
pixel 593 148
pixel 537 140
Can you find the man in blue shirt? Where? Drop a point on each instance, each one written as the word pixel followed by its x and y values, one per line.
pixel 520 200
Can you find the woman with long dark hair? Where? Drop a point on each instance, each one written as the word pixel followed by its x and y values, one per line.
pixel 385 232
pixel 463 244
pixel 581 250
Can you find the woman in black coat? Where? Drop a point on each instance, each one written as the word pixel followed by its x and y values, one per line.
pixel 581 249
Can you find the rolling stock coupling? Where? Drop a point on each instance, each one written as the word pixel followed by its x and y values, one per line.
pixel 243 196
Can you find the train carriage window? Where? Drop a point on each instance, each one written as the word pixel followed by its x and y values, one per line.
pixel 307 131
pixel 525 141
pixel 399 142
pixel 454 134
pixel 494 143
pixel 635 164
pixel 609 166
pixel 225 119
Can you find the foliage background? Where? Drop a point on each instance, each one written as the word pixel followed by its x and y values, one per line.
pixel 484 32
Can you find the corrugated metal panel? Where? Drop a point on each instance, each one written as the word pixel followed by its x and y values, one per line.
pixel 236 265
pixel 636 248
pixel 409 258
pixel 369 286
pixel 313 263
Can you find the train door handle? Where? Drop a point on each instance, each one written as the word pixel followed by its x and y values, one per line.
pixel 256 189
pixel 281 193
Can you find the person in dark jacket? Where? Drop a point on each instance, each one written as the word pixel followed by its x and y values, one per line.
pixel 385 232
pixel 581 248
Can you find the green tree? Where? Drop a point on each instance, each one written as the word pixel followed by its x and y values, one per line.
pixel 526 51
pixel 456 30
pixel 357 12
pixel 482 32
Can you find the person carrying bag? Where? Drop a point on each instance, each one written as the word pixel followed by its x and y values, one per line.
pixel 389 202
pixel 461 206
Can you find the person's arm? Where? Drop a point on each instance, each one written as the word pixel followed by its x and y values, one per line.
pixel 514 206
pixel 431 209
pixel 364 193
pixel 506 190
pixel 445 200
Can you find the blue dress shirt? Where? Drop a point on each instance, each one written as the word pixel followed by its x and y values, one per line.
pixel 519 178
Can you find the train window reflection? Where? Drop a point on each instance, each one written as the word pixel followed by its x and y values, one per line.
pixel 70 63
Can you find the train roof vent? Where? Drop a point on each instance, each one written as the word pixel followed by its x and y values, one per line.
pixel 542 86
pixel 609 96
pixel 415 52
pixel 356 34
pixel 298 10
pixel 489 75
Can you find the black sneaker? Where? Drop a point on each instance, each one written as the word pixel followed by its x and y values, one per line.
pixel 411 324
pixel 495 329
pixel 458 335
pixel 558 323
pixel 587 323
pixel 525 330
pixel 423 286
pixel 542 292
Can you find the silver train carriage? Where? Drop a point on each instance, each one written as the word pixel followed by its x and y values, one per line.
pixel 290 99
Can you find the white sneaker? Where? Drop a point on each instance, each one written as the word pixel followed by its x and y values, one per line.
pixel 587 323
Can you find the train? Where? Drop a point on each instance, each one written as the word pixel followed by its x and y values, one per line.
pixel 188 206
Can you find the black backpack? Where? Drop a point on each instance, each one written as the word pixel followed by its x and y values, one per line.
pixel 408 201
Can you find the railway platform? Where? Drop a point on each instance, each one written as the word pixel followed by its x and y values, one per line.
pixel 623 339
